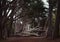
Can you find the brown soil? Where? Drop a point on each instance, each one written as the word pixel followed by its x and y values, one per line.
pixel 29 39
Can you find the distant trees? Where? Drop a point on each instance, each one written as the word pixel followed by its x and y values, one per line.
pixel 35 9
pixel 12 10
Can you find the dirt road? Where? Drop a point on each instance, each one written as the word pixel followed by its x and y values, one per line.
pixel 29 39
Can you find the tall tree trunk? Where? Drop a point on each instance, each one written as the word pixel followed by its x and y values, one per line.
pixel 56 29
pixel 49 33
pixel 0 19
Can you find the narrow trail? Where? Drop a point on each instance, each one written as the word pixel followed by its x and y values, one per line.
pixel 29 39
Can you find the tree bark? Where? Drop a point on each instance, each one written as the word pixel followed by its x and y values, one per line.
pixel 49 33
pixel 56 29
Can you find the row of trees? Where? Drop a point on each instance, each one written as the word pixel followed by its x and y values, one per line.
pixel 12 10
pixel 7 11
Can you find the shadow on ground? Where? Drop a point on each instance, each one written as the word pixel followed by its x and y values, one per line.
pixel 29 39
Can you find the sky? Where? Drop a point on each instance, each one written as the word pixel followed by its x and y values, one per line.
pixel 46 3
pixel 10 0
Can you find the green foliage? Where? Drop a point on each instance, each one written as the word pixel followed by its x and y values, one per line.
pixel 36 5
pixel 36 9
pixel 53 19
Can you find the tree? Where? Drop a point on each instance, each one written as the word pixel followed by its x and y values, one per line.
pixel 8 9
pixel 35 8
pixel 13 10
pixel 57 21
pixel 53 31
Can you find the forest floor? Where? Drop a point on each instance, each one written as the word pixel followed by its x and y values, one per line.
pixel 29 39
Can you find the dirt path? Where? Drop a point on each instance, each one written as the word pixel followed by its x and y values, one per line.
pixel 29 39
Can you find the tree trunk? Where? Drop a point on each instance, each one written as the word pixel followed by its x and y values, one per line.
pixel 56 29
pixel 49 33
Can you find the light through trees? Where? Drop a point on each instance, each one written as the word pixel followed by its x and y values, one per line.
pixel 28 17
